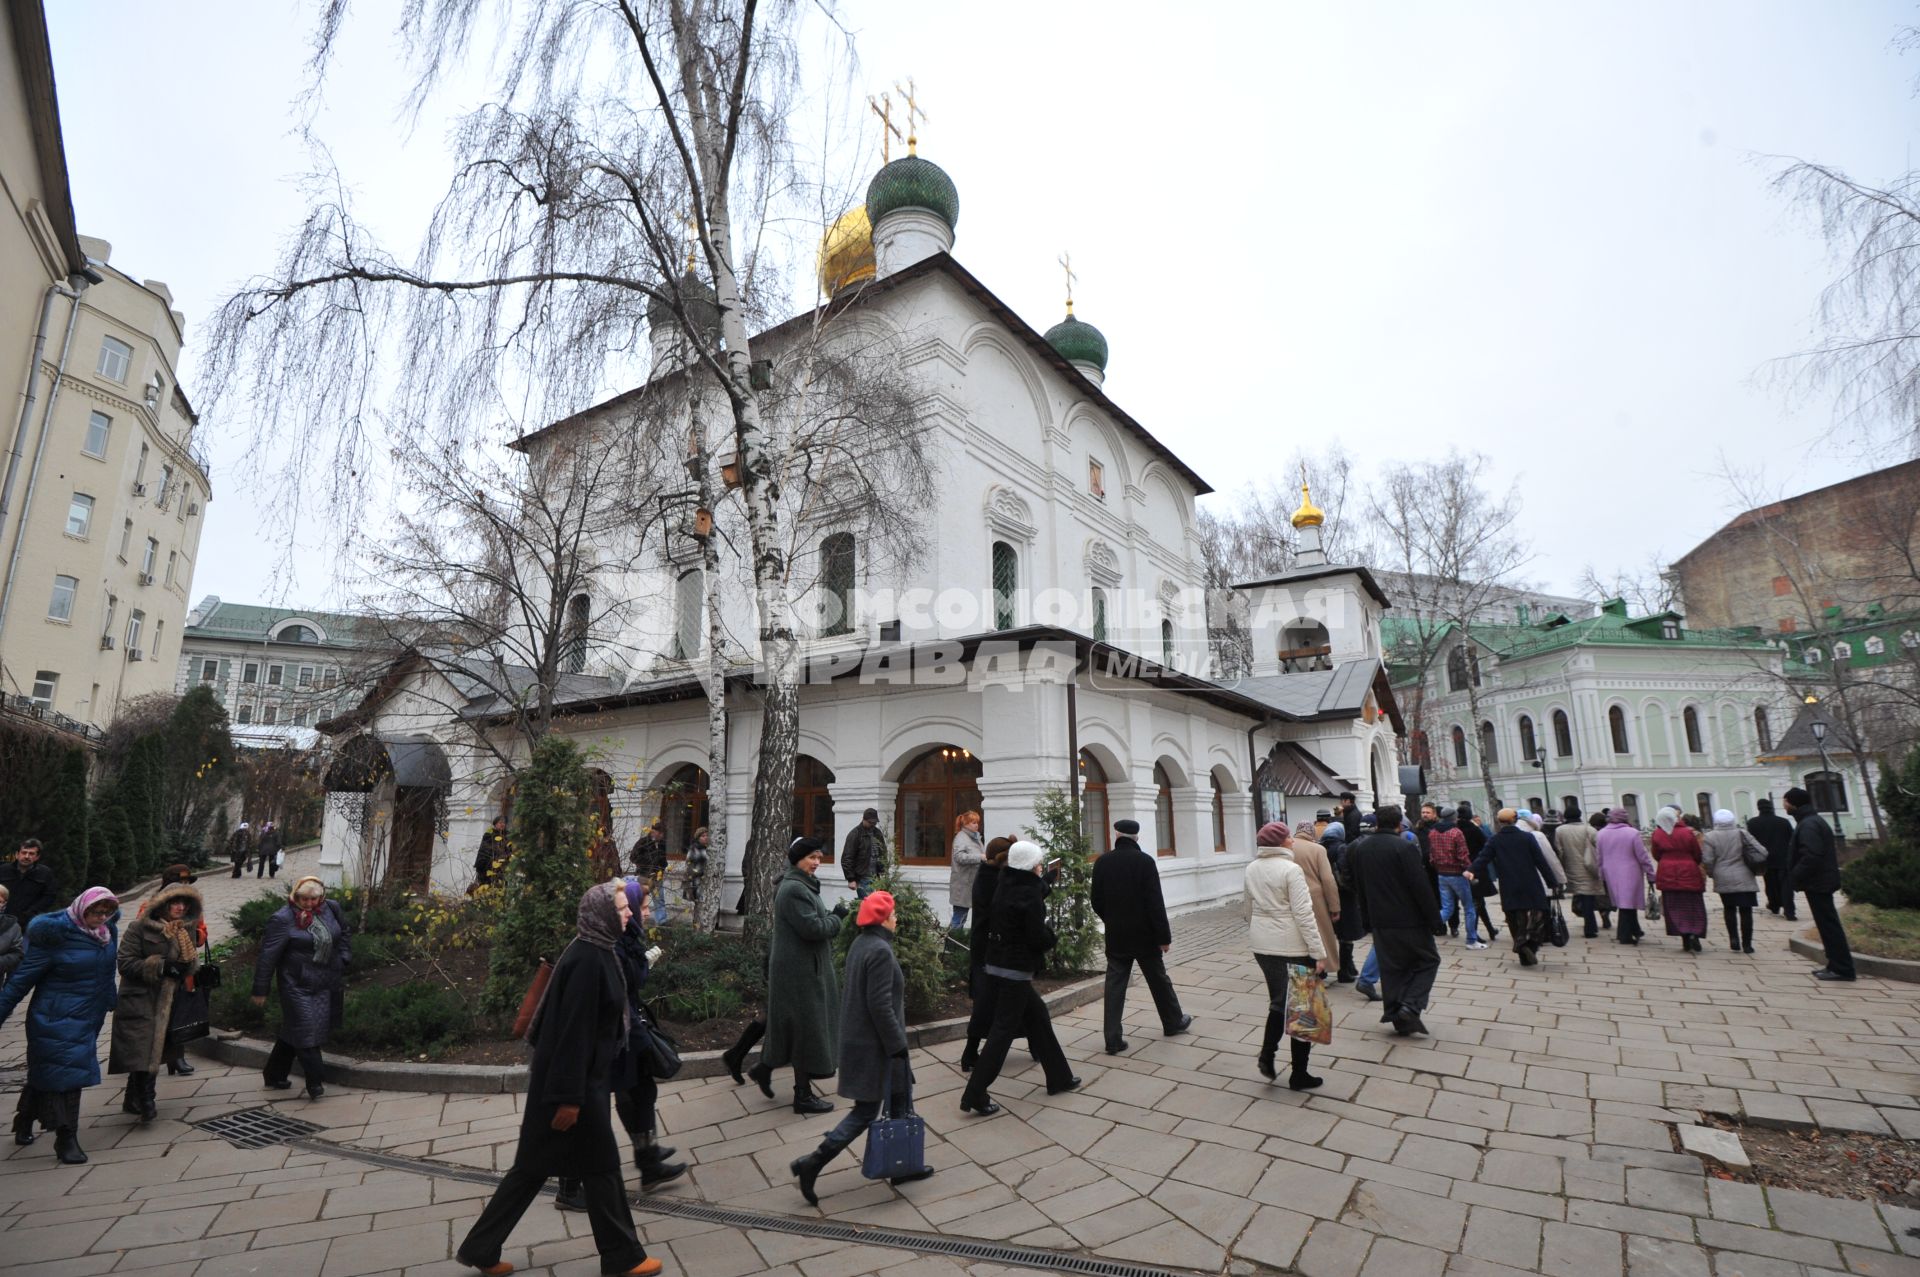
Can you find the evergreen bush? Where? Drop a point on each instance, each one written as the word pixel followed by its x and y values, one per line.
pixel 251 918
pixel 919 944
pixel 551 838
pixel 414 1018
pixel 707 975
pixel 1076 928
pixel 43 794
pixel 1887 877
pixel 1900 799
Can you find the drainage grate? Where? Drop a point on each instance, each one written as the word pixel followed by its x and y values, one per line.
pixel 962 1248
pixel 258 1128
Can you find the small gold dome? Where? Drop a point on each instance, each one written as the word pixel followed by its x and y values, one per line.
pixel 846 251
pixel 1308 515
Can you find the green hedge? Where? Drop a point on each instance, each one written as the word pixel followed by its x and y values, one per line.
pixel 1888 877
pixel 414 1019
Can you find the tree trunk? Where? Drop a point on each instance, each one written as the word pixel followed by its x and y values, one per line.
pixel 1479 739
pixel 713 878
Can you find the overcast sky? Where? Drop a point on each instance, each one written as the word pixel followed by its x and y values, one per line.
pixel 1538 231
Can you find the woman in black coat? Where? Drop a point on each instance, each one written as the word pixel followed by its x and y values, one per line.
pixel 1348 927
pixel 1524 875
pixel 979 987
pixel 308 945
pixel 1019 939
pixel 578 1031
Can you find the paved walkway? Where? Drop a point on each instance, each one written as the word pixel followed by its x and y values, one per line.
pixel 1533 1132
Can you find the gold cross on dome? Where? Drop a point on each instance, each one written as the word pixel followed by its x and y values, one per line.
pixel 1066 264
pixel 884 109
pixel 693 235
pixel 913 113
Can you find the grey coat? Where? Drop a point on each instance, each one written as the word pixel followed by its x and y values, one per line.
pixel 145 1009
pixel 13 945
pixel 873 1016
pixel 968 852
pixel 1730 856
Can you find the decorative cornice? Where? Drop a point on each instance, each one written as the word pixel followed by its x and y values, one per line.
pixel 1102 562
pixel 1007 511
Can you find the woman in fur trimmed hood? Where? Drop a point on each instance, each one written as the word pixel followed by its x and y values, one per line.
pixel 159 953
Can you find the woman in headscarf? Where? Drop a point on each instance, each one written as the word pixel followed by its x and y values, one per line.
pixel 1286 930
pixel 1626 868
pixel 158 956
pixel 1683 887
pixel 307 944
pixel 69 970
pixel 579 1029
pixel 1525 874
pixel 803 994
pixel 873 1042
pixel 1730 856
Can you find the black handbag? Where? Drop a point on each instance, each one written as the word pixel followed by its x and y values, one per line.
pixel 207 978
pixel 1558 934
pixel 189 1017
pixel 656 1051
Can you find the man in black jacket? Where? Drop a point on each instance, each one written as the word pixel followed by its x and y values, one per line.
pixel 1390 888
pixel 29 883
pixel 1018 939
pixel 863 856
pixel 1126 895
pixel 1775 833
pixel 1816 872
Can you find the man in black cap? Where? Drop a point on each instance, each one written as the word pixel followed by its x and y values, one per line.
pixel 1775 833
pixel 1126 895
pixel 1816 873
pixel 863 856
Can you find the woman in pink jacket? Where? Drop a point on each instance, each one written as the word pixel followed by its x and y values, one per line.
pixel 1626 867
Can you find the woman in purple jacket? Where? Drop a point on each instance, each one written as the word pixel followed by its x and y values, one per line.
pixel 1627 868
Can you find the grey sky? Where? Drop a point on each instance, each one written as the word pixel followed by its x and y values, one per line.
pixel 1539 231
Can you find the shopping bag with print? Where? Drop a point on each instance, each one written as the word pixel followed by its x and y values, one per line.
pixel 1309 1018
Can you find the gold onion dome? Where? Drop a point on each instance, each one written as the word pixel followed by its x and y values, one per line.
pixel 846 251
pixel 1308 515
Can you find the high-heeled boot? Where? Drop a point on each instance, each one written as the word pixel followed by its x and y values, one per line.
pixel 735 1056
pixel 806 1100
pixel 23 1133
pixel 66 1146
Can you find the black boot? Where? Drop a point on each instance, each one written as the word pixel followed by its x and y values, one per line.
pixel 66 1146
pixel 735 1056
pixel 970 1055
pixel 572 1195
pixel 806 1100
pixel 180 1067
pixel 149 1095
pixel 807 1169
pixel 1299 1079
pixel 762 1075
pixel 1347 972
pixel 23 1129
pixel 655 1169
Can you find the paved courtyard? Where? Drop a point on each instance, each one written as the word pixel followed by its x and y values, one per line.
pixel 1533 1132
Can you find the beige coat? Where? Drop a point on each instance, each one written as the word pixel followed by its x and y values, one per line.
pixel 1318 866
pixel 1573 845
pixel 1279 907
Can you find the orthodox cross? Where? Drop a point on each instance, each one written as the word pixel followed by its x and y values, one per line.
pixel 913 112
pixel 884 109
pixel 1066 264
pixel 693 235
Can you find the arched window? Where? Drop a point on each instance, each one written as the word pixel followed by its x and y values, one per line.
pixel 683 806
pixel 297 634
pixel 1163 811
pixel 1527 743
pixel 836 584
pixel 1422 749
pixel 1762 728
pixel 1490 744
pixel 573 647
pixel 1617 728
pixel 934 790
pixel 1006 582
pixel 1463 667
pixel 1219 815
pixel 1632 803
pixel 688 595
pixel 606 851
pixel 813 802
pixel 1305 647
pixel 1459 745
pixel 1703 804
pixel 1093 804
pixel 1166 643
pixel 1827 790
pixel 1690 720
pixel 1562 735
pixel 1099 615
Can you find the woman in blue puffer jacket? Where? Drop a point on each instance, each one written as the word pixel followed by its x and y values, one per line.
pixel 69 969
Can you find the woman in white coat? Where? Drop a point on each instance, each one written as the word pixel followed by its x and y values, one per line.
pixel 1279 908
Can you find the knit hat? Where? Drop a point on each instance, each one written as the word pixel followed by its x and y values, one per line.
pixel 875 908
pixel 1272 834
pixel 801 848
pixel 1723 819
pixel 1127 827
pixel 1024 855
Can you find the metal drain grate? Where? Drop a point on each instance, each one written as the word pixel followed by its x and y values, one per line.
pixel 798 1226
pixel 258 1128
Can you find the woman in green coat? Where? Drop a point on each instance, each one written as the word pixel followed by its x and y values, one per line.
pixel 803 994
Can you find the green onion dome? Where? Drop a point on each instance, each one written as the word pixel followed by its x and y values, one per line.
pixel 1079 342
pixel 702 306
pixel 911 182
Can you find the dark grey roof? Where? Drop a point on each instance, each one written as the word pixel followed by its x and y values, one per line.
pixel 1340 692
pixel 1315 573
pixel 1798 742
pixel 1299 773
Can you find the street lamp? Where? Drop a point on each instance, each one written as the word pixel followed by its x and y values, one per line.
pixel 1819 726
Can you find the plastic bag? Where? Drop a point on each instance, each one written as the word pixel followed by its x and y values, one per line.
pixel 1308 1016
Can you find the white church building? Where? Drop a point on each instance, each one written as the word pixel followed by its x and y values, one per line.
pixel 1082 660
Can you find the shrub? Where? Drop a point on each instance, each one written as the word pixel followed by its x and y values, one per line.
pixel 232 1005
pixel 1888 877
pixel 703 976
pixel 251 918
pixel 417 1019
pixel 1900 798
pixel 1070 904
pixel 919 944
pixel 550 867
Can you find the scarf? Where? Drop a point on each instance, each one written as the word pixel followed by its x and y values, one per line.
pixel 313 921
pixel 87 900
pixel 1668 818
pixel 598 924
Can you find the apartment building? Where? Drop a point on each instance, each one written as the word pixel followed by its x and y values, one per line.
pixel 278 669
pixel 104 494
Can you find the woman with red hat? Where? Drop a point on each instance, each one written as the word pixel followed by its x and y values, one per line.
pixel 873 1040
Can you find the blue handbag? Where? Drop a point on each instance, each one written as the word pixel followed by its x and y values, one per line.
pixel 896 1146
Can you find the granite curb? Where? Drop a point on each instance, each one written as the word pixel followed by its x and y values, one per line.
pixel 490 1079
pixel 1863 963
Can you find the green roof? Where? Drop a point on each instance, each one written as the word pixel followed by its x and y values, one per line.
pixel 218 619
pixel 1079 341
pixel 1863 642
pixel 911 182
pixel 1401 636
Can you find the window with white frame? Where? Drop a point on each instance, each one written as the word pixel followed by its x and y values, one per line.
pixel 150 558
pixel 250 672
pixel 65 588
pixel 270 714
pixel 243 715
pixel 136 621
pixel 140 470
pixel 329 678
pixel 99 433
pixel 301 716
pixel 45 684
pixel 209 670
pixel 166 486
pixel 116 358
pixel 79 515
pixel 173 561
pixel 305 678
pixel 275 675
pixel 106 626
pixel 126 538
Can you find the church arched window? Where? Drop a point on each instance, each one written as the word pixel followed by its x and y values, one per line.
pixel 836 584
pixel 1562 734
pixel 1006 581
pixel 1527 742
pixel 688 595
pixel 573 651
pixel 1459 745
